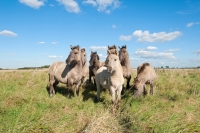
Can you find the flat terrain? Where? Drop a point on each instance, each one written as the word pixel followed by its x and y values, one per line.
pixel 25 105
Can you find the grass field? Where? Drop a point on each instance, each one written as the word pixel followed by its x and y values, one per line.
pixel 25 106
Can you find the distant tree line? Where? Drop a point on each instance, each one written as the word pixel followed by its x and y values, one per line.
pixel 45 66
pixel 167 67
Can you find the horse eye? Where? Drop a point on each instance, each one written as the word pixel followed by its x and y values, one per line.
pixel 115 59
pixel 76 53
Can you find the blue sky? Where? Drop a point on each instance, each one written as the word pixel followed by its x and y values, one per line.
pixel 34 33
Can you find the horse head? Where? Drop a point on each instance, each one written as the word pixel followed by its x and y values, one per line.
pixel 138 87
pixel 94 58
pixel 74 56
pixel 112 49
pixel 123 54
pixel 83 56
pixel 112 60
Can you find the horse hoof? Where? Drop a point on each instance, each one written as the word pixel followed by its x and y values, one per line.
pixel 69 97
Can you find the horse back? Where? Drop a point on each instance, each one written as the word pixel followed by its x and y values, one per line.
pixel 148 74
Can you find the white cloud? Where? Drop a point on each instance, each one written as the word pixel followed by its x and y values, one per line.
pixel 7 33
pixel 162 63
pixel 33 3
pixel 133 59
pixel 151 48
pixel 102 56
pixel 104 5
pixel 153 55
pixel 70 5
pixel 197 52
pixel 172 50
pixel 114 26
pixel 155 37
pixel 92 2
pixel 191 24
pixel 95 48
pixel 125 38
pixel 54 56
pixel 41 42
pixel 51 5
pixel 54 42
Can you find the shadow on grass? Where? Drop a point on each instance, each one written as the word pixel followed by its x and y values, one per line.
pixel 59 89
pixel 89 92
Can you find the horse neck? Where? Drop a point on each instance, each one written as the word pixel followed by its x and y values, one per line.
pixel 78 66
pixel 126 62
pixel 118 71
pixel 97 64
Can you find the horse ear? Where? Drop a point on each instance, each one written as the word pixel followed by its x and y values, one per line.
pixel 71 47
pixel 83 50
pixel 108 47
pixel 97 56
pixel 119 47
pixel 115 46
pixel 115 52
pixel 78 47
pixel 108 52
pixel 125 46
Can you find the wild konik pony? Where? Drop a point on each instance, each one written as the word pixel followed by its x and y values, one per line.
pixel 126 66
pixel 145 75
pixel 95 64
pixel 110 77
pixel 70 73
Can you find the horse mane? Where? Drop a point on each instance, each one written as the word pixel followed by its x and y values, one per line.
pixel 112 47
pixel 112 51
pixel 84 60
pixel 96 54
pixel 142 67
pixel 123 47
pixel 75 47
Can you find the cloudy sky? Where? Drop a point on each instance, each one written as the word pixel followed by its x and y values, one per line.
pixel 34 33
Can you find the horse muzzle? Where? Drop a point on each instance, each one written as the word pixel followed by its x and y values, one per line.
pixel 109 68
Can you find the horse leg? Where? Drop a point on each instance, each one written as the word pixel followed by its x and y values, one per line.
pixel 151 88
pixel 98 91
pixel 128 82
pixel 70 92
pixel 119 90
pixel 94 81
pixel 90 78
pixel 145 91
pixel 112 90
pixel 51 90
pixel 77 88
pixel 51 82
pixel 54 85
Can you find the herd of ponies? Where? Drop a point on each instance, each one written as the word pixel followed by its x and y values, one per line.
pixel 109 74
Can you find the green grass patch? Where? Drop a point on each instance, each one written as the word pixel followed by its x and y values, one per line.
pixel 25 106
